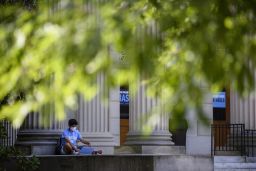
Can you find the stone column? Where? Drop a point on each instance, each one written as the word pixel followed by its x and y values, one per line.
pixel 99 120
pixel 243 110
pixel 159 140
pixel 34 138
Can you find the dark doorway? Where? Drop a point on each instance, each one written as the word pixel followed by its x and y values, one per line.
pixel 124 113
pixel 221 115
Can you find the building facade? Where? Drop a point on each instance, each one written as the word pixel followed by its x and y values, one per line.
pixel 110 127
pixel 102 123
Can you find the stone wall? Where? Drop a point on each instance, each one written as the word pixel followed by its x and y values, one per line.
pixel 198 139
pixel 123 163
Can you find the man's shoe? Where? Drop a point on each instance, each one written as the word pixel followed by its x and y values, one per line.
pixel 75 152
pixel 97 152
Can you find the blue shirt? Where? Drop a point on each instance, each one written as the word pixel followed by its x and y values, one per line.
pixel 73 136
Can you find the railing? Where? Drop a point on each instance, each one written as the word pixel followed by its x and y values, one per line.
pixel 227 137
pixel 233 138
pixel 10 139
pixel 250 145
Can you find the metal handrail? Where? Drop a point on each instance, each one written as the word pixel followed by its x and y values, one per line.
pixel 227 137
pixel 250 145
pixel 233 137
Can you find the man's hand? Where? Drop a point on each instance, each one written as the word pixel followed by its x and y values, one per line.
pixel 88 143
pixel 77 149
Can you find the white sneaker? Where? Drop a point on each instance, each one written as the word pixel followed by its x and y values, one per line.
pixel 75 152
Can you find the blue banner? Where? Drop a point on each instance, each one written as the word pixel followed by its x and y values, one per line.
pixel 124 97
pixel 219 100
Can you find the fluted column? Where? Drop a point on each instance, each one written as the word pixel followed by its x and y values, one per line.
pixel 35 138
pixel 143 116
pixel 99 120
pixel 243 110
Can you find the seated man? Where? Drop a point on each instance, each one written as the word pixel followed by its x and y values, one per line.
pixel 71 136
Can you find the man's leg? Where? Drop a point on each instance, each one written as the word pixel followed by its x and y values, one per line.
pixel 68 148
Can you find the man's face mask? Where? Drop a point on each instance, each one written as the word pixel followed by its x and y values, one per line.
pixel 73 128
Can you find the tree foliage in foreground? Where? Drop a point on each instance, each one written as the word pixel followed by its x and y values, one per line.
pixel 50 51
pixel 8 153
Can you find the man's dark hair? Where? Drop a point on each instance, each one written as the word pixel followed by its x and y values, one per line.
pixel 72 122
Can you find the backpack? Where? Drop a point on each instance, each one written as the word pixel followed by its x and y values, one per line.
pixel 59 146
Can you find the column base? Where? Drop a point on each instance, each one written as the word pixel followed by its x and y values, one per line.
pixel 37 142
pixel 37 149
pixel 161 138
pixel 99 139
pixel 146 149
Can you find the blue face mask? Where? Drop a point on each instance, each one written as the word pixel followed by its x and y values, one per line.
pixel 72 128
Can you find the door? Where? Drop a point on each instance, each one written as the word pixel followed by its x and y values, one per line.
pixel 221 117
pixel 124 114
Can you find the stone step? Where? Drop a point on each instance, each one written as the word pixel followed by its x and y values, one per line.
pixel 234 170
pixel 227 153
pixel 232 166
pixel 251 159
pixel 229 159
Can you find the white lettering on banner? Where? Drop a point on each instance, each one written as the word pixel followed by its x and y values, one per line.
pixel 219 100
pixel 124 97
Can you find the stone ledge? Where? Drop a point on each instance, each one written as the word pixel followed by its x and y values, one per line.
pixel 235 165
pixel 151 150
pixel 122 162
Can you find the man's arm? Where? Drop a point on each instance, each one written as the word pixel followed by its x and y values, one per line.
pixel 85 142
pixel 80 138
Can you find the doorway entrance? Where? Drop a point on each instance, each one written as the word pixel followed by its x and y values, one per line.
pixel 124 113
pixel 221 117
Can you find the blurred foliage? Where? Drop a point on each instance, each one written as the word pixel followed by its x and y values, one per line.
pixel 24 163
pixel 7 153
pixel 3 133
pixel 52 50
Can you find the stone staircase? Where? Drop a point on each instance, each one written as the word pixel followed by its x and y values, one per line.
pixel 234 163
